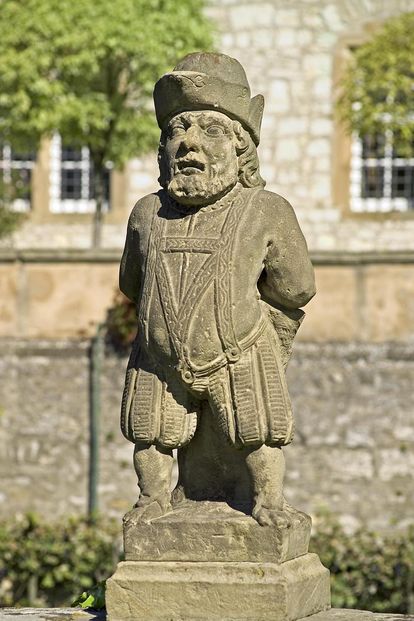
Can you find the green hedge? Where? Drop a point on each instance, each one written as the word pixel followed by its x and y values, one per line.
pixel 368 571
pixel 45 564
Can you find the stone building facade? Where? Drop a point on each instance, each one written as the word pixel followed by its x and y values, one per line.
pixel 294 54
pixel 353 371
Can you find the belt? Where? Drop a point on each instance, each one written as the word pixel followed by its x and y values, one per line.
pixel 189 372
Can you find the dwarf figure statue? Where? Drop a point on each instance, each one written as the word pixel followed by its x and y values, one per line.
pixel 218 268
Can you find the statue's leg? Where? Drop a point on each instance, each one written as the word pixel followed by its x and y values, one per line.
pixel 266 466
pixel 153 465
pixel 199 462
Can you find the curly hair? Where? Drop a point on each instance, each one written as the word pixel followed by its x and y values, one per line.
pixel 249 168
pixel 248 159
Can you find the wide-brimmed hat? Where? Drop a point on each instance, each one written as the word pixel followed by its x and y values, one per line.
pixel 207 81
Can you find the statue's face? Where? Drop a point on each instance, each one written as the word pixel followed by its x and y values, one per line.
pixel 200 157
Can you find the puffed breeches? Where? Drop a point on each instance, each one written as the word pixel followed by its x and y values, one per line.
pixel 249 399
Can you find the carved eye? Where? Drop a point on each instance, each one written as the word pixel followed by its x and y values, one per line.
pixel 176 130
pixel 215 130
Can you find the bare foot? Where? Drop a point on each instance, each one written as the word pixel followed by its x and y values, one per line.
pixel 271 517
pixel 148 508
pixel 271 513
pixel 178 495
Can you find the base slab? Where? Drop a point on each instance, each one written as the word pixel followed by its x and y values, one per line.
pixel 218 591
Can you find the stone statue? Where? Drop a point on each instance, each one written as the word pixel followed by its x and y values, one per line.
pixel 219 269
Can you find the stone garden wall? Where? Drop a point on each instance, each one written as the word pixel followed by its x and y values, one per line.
pixel 353 451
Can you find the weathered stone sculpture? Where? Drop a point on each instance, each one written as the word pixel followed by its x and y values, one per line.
pixel 219 270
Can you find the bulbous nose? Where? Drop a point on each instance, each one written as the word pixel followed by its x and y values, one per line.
pixel 191 139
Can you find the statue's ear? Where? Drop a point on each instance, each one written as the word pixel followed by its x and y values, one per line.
pixel 241 137
pixel 163 178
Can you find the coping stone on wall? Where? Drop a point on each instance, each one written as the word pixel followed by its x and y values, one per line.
pixel 51 614
pixel 55 348
pixel 77 614
pixel 113 255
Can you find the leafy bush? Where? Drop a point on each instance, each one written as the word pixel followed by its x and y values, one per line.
pixel 368 571
pixel 52 564
pixel 121 322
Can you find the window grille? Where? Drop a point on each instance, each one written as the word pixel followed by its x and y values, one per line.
pixel 72 179
pixel 382 179
pixel 15 177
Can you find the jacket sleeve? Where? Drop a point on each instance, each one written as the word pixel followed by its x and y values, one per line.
pixel 288 278
pixel 130 270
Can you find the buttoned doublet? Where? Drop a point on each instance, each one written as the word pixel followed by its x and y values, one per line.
pixel 198 277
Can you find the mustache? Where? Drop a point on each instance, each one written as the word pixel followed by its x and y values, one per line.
pixel 184 163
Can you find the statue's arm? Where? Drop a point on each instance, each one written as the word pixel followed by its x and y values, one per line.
pixel 130 270
pixel 288 278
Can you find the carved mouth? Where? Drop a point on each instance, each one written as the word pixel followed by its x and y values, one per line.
pixel 190 167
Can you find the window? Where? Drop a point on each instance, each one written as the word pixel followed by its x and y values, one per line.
pixel 72 179
pixel 381 178
pixel 15 177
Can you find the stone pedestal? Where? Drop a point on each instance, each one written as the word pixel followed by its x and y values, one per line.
pixel 221 591
pixel 208 562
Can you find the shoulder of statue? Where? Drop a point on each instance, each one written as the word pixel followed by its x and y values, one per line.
pixel 143 209
pixel 272 204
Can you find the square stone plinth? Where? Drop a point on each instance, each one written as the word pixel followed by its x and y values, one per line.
pixel 213 531
pixel 217 591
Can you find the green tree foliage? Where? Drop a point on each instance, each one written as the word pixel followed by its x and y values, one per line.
pixel 378 87
pixel 87 69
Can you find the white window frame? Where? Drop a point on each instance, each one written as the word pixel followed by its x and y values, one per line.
pixel 7 166
pixel 57 204
pixel 383 204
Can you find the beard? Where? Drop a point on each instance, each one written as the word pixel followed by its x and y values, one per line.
pixel 203 187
